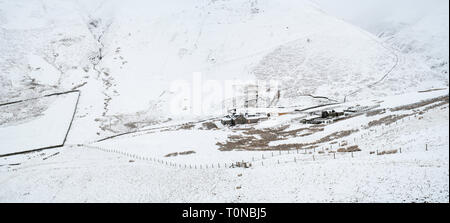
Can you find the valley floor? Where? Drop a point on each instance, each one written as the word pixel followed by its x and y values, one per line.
pixel 417 173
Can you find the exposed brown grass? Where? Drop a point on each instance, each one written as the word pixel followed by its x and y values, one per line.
pixel 180 153
pixel 259 139
pixel 249 141
pixel 209 125
pixel 421 104
pixel 349 149
pixel 430 90
pixel 376 112
pixel 336 135
pixel 436 105
pixel 387 120
pixel 388 152
pixel 186 126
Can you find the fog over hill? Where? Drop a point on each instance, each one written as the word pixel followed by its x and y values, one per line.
pixel 415 27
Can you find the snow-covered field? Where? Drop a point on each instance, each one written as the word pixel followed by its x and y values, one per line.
pixel 134 168
pixel 115 137
pixel 46 128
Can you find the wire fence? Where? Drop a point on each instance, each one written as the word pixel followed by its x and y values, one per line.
pixel 268 158
pixel 322 152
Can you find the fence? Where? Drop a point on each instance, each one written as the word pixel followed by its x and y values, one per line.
pixel 278 157
pixel 273 158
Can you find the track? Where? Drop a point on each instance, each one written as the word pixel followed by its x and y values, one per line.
pixel 396 62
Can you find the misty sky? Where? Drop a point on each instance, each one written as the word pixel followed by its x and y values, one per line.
pixel 371 14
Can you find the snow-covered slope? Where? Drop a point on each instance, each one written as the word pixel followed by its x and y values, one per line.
pixel 20 131
pixel 419 29
pixel 428 39
pixel 124 143
pixel 124 56
pixel 134 168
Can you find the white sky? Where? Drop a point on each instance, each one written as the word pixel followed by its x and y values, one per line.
pixel 369 14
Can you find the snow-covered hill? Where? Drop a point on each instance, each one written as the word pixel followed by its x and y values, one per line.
pixel 124 58
pixel 416 28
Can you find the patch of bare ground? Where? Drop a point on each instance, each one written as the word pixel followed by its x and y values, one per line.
pixel 431 104
pixel 388 152
pixel 436 105
pixel 421 104
pixel 186 126
pixel 121 123
pixel 236 142
pixel 376 112
pixel 387 120
pixel 430 90
pixel 354 148
pixel 258 140
pixel 336 135
pixel 209 125
pixel 180 153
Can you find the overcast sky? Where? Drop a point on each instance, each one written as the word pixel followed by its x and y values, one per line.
pixel 368 14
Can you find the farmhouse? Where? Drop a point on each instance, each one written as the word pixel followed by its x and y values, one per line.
pixel 241 119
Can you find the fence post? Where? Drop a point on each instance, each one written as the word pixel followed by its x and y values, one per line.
pixel 426 147
pixel 334 155
pixel 278 161
pixel 352 154
pixel 400 149
pixel 295 160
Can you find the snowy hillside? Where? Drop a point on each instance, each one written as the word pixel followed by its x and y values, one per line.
pixel 123 58
pixel 416 28
pixel 98 80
